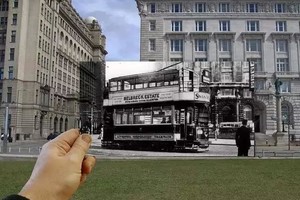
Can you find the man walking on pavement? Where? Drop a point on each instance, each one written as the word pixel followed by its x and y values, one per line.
pixel 242 139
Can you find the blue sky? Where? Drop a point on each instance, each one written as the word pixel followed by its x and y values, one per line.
pixel 120 24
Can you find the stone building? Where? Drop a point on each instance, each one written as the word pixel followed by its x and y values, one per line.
pixel 264 32
pixel 42 43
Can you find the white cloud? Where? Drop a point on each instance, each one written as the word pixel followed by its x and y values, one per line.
pixel 120 23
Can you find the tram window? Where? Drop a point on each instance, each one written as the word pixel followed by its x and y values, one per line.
pixel 113 86
pixel 153 84
pixel 138 86
pixel 166 83
pixel 126 85
pixel 119 86
pixel 125 118
pixel 159 84
pixel 174 82
pixel 145 85
pixel 142 116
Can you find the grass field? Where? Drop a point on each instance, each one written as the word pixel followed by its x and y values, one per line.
pixel 234 179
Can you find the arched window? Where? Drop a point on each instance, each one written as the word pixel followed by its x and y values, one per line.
pixel 55 125
pixel 61 125
pixel 66 124
pixel 247 112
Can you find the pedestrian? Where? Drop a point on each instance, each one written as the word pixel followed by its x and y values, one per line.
pixel 242 139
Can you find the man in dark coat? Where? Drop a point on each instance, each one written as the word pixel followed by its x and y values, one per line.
pixel 242 139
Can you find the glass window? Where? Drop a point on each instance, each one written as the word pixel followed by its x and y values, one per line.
pixel 152 25
pixel 224 25
pixel 14 19
pixel 200 45
pixel 224 45
pixel 151 7
pixel 1 73
pixel 13 36
pixel 281 45
pixel 224 7
pixel 226 77
pixel 279 8
pixel 12 54
pixel 257 64
pixel 252 25
pixel 281 26
pixel 176 7
pixel 253 45
pixel 259 84
pixel 282 65
pixel 11 72
pixel 176 25
pixel 152 45
pixel 176 45
pixel 142 116
pixel 200 25
pixel 285 87
pixel 251 8
pixel 9 94
pixel 162 114
pixel 247 112
pixel 200 7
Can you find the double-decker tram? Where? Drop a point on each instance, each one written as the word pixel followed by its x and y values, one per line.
pixel 157 110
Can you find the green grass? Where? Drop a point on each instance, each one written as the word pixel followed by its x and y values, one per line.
pixel 233 179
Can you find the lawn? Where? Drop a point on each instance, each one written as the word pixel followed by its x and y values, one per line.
pixel 234 179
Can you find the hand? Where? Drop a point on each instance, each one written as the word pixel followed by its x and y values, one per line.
pixel 60 168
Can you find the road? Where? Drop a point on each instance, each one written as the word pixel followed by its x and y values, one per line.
pixel 34 147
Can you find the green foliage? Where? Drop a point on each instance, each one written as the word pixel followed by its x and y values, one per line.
pixel 216 179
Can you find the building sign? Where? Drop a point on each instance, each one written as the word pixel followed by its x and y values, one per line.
pixel 144 137
pixel 140 98
pixel 201 96
pixel 206 76
pixel 251 75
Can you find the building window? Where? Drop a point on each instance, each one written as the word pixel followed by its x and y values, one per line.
pixel 2 37
pixel 16 3
pixel 152 7
pixel 1 73
pixel 259 84
pixel 176 25
pixel 176 7
pixel 152 25
pixel 224 25
pixel 176 59
pixel 279 8
pixel 224 7
pixel 252 25
pixel 2 55
pixel 257 64
pixel 10 72
pixel 12 54
pixel 200 59
pixel 200 45
pixel 251 8
pixel 200 25
pixel 281 26
pixel 14 19
pixel 3 20
pixel 152 45
pixel 224 45
pixel 176 45
pixel 281 46
pixel 226 77
pixel 282 65
pixel 285 87
pixel 253 45
pixel 9 92
pixel 200 7
pixel 13 37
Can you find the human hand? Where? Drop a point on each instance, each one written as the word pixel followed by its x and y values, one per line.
pixel 60 168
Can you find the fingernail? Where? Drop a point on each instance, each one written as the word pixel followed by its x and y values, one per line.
pixel 87 138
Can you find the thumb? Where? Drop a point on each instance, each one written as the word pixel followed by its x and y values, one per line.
pixel 80 147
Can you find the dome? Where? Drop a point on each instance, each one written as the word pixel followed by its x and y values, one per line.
pixel 90 20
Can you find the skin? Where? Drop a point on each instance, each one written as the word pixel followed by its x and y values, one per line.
pixel 61 167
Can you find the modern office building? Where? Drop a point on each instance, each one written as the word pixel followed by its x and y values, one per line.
pixel 264 32
pixel 42 46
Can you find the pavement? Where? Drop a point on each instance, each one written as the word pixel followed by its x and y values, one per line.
pixel 264 147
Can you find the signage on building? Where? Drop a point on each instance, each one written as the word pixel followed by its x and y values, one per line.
pixel 140 137
pixel 206 76
pixel 201 96
pixel 140 98
pixel 251 75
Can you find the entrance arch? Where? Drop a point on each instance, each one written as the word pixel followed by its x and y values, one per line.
pixel 260 117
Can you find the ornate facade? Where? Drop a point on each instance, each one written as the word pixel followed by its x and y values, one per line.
pixel 43 44
pixel 266 33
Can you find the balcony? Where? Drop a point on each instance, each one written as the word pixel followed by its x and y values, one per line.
pixel 287 74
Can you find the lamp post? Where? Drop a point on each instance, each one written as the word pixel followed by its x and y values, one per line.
pixel 5 138
pixel 278 83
